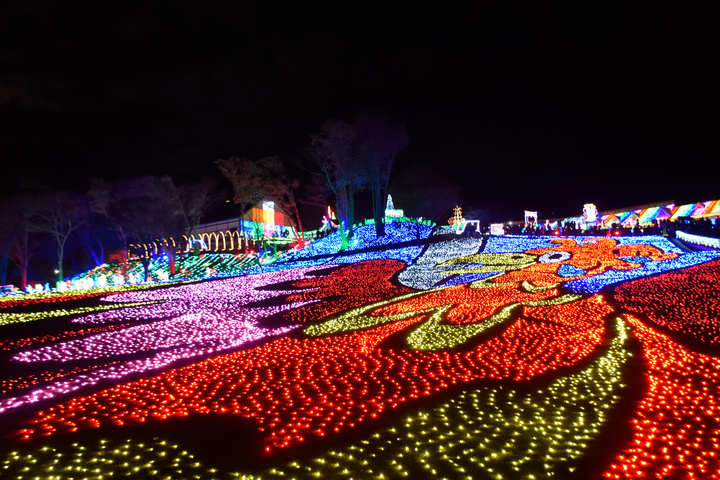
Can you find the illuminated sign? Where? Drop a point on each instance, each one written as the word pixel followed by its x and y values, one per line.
pixel 497 229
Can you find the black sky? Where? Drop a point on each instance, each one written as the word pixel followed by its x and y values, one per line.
pixel 537 105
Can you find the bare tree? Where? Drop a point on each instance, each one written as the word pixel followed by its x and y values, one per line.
pixel 335 164
pixel 196 199
pixel 245 176
pixel 101 204
pixel 143 210
pixel 278 186
pixel 59 214
pixel 96 233
pixel 18 240
pixel 7 213
pixel 379 142
pixel 23 251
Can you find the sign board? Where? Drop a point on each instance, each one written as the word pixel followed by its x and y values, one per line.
pixel 497 229
pixel 530 217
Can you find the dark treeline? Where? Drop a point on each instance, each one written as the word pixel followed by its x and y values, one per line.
pixel 84 230
pixel 44 235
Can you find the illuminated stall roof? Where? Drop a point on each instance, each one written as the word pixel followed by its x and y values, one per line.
pixel 713 210
pixel 683 211
pixel 609 220
pixel 654 213
pixel 707 209
pixel 701 209
pixel 628 218
pixel 648 213
pixel 645 214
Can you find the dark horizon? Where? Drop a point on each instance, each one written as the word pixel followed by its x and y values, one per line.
pixel 524 106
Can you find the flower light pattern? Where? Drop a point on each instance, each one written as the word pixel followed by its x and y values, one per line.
pixel 495 359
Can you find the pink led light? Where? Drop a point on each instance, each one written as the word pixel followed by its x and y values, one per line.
pixel 225 295
pixel 218 320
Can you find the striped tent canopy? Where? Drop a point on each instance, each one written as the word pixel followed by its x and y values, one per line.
pixel 609 220
pixel 713 209
pixel 628 218
pixel 682 211
pixel 707 209
pixel 646 214
pixel 655 213
pixel 701 209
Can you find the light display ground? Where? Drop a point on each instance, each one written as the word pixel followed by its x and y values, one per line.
pixel 507 358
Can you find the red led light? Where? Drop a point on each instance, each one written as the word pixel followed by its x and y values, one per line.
pixel 676 432
pixel 684 300
pixel 297 388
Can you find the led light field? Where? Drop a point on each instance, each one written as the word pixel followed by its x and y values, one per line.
pixel 499 358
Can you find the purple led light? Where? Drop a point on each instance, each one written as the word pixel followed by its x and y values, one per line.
pixel 193 320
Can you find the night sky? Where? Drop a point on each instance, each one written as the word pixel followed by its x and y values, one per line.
pixel 533 105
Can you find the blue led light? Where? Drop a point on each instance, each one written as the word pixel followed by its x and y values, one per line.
pixel 596 283
pixel 364 237
pixel 566 270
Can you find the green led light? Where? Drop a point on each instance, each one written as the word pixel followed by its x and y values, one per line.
pixel 156 459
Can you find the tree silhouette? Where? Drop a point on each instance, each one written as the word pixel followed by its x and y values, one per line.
pixel 143 210
pixel 7 212
pixel 336 166
pixel 195 199
pixel 95 234
pixel 60 214
pixel 279 187
pixel 18 240
pixel 245 176
pixel 379 141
